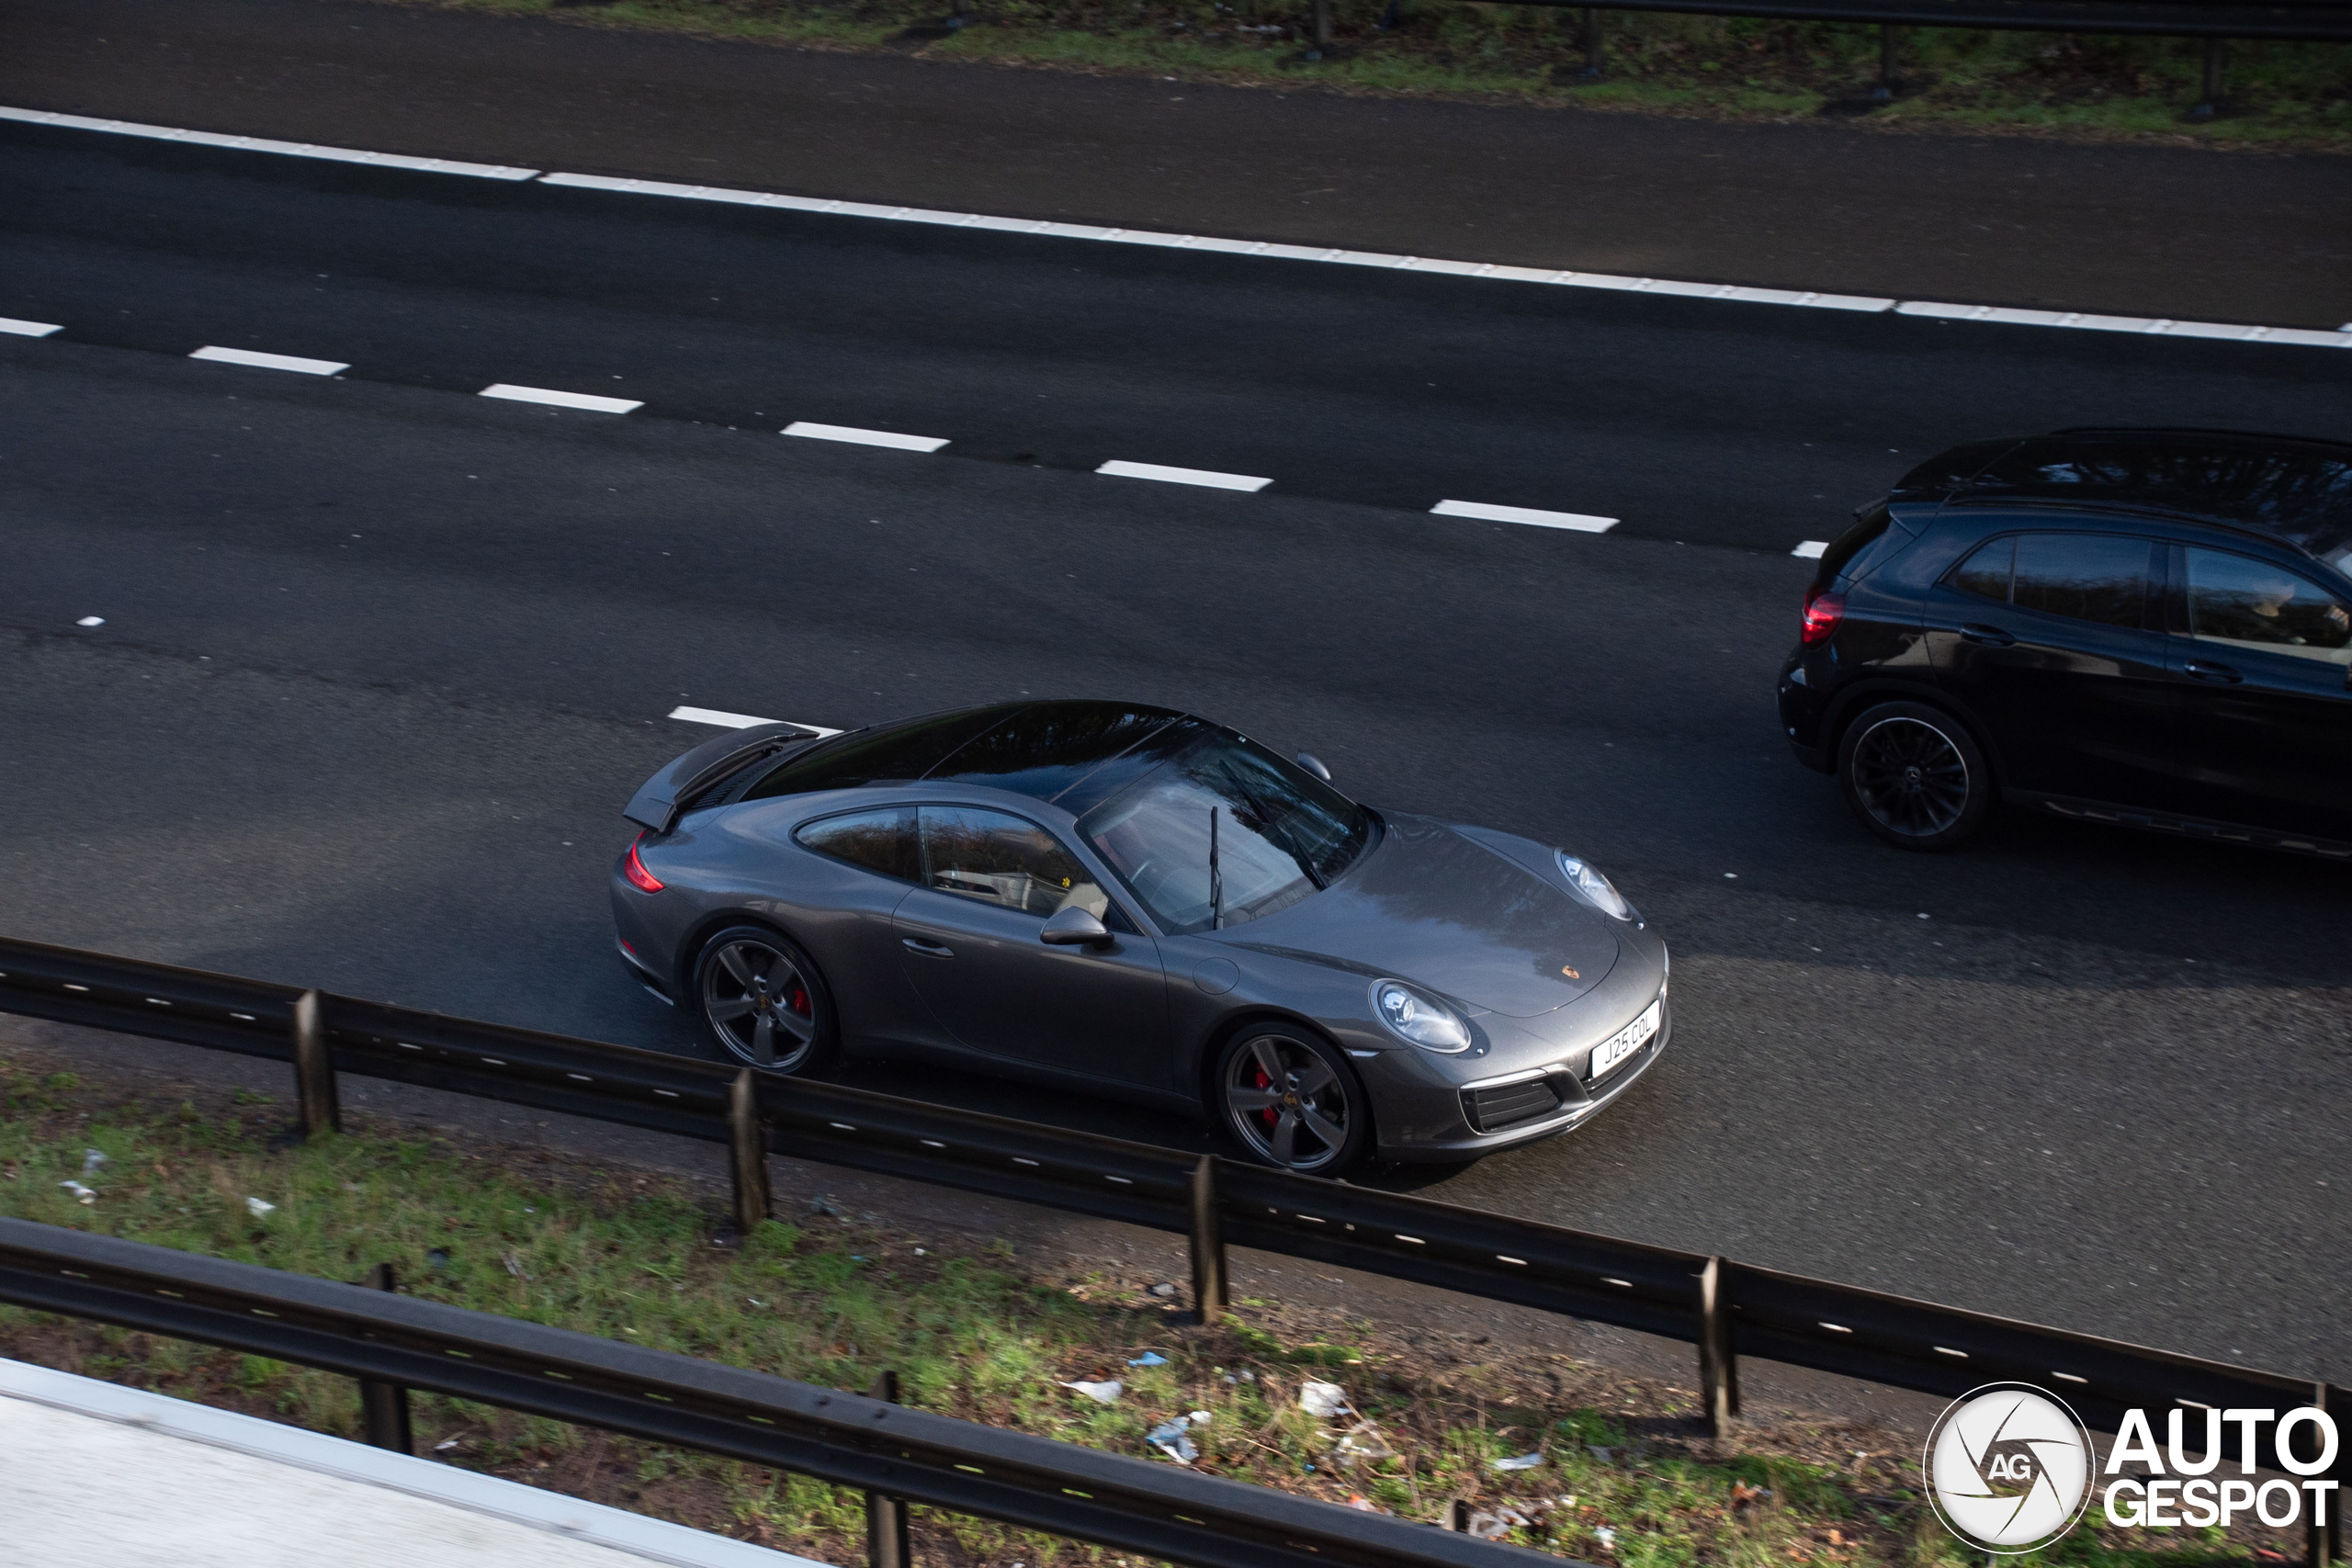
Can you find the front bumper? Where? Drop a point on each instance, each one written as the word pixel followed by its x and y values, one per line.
pixel 1426 1121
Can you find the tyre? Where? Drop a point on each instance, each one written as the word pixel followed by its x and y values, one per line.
pixel 1292 1101
pixel 1915 776
pixel 764 1001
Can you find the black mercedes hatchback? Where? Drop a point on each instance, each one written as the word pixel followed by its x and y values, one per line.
pixel 2147 627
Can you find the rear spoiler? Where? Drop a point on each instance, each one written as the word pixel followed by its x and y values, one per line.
pixel 655 805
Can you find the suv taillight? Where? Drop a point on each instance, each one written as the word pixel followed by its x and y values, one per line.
pixel 1823 611
pixel 634 869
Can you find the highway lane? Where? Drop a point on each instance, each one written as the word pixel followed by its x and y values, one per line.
pixel 1700 420
pixel 379 665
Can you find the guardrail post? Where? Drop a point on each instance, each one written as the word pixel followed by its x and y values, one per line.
pixel 1456 1516
pixel 748 1153
pixel 315 1070
pixel 1207 1230
pixel 886 1517
pixel 1884 92
pixel 383 1406
pixel 2208 100
pixel 1322 41
pixel 1718 1364
pixel 1596 58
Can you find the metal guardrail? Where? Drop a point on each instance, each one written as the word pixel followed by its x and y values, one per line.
pixel 1728 1310
pixel 896 1454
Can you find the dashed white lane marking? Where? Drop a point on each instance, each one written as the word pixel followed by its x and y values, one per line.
pixel 1811 550
pixel 1213 481
pixel 91 621
pixel 561 399
pixel 271 361
pixel 29 329
pixel 1527 515
pixel 263 144
pixel 865 437
pixel 743 720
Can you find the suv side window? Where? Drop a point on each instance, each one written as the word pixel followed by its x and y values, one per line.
pixel 1988 571
pixel 880 840
pixel 998 858
pixel 2086 577
pixel 2245 603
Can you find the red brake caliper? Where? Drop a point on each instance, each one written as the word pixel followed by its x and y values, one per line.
pixel 800 1000
pixel 1268 1115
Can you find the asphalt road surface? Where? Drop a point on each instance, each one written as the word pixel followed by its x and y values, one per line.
pixel 379 660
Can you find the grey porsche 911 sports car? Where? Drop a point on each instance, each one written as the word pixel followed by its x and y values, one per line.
pixel 1137 902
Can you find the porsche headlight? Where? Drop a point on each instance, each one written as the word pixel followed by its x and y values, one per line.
pixel 1594 887
pixel 1414 1017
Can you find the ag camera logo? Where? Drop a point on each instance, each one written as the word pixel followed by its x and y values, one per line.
pixel 2009 1468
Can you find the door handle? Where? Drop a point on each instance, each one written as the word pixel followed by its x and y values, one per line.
pixel 928 949
pixel 1988 637
pixel 2204 670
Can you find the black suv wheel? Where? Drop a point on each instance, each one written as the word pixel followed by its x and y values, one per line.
pixel 1915 776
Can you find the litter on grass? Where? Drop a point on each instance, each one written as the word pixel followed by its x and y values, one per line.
pixel 1324 1399
pixel 1358 1500
pixel 1606 1535
pixel 1522 1461
pixel 91 1160
pixel 1150 1359
pixel 1606 1456
pixel 1169 1439
pixel 1198 1417
pixel 82 1193
pixel 1100 1392
pixel 259 1208
pixel 1363 1442
pixel 1495 1526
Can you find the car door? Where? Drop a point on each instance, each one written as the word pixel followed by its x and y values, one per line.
pixel 968 946
pixel 2263 654
pixel 852 935
pixel 2053 640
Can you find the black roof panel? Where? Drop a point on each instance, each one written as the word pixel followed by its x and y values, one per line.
pixel 1046 748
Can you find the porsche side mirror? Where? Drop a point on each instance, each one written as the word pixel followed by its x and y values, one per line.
pixel 1074 928
pixel 1314 764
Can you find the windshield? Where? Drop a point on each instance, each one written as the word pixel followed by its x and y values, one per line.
pixel 1281 834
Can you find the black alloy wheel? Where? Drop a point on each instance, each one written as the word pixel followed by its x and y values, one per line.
pixel 1292 1102
pixel 764 1001
pixel 1915 776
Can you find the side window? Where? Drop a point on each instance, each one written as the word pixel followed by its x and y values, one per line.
pixel 2086 577
pixel 879 840
pixel 1988 571
pixel 1000 859
pixel 2251 604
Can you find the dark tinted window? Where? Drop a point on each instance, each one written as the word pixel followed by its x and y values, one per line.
pixel 1048 747
pixel 907 751
pixel 1988 571
pixel 1125 769
pixel 2088 577
pixel 2236 599
pixel 1868 531
pixel 879 840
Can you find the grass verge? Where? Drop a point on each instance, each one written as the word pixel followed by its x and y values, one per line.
pixel 1624 1478
pixel 2100 88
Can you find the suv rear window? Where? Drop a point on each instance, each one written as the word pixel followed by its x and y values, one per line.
pixel 1865 533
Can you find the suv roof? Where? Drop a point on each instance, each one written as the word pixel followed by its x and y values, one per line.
pixel 2290 488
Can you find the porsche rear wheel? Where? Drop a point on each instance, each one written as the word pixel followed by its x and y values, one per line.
pixel 763 1002
pixel 1292 1102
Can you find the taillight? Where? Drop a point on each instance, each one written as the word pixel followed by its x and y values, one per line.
pixel 1823 611
pixel 634 869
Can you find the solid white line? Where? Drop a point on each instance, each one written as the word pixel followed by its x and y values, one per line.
pixel 271 361
pixel 1811 550
pixel 29 329
pixel 1489 514
pixel 1122 470
pixel 742 720
pixel 865 437
pixel 1566 278
pixel 263 144
pixel 561 399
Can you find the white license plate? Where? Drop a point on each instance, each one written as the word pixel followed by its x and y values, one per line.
pixel 1624 1043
